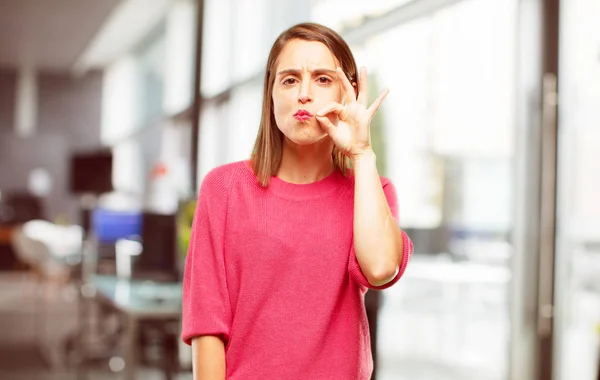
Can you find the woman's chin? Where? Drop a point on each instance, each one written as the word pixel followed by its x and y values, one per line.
pixel 302 134
pixel 307 139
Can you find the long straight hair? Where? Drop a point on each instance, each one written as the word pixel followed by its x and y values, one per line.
pixel 268 148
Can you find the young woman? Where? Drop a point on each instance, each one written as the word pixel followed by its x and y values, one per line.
pixel 285 245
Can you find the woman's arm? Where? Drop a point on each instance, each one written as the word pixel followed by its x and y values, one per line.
pixel 208 358
pixel 377 238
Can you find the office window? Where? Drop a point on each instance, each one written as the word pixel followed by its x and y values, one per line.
pixel 217 56
pixel 577 285
pixel 245 106
pixel 447 107
pixel 447 128
pixel 236 47
pixel 469 118
pixel 151 59
pixel 128 167
pixel 405 118
pixel 180 56
pixel 340 14
pixel 121 101
pixel 250 45
pixel 214 142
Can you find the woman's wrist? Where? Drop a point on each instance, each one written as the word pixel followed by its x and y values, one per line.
pixel 362 155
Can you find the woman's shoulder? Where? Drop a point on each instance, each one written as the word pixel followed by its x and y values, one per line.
pixel 222 176
pixel 228 169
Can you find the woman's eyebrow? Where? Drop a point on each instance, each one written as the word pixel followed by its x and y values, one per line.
pixel 315 71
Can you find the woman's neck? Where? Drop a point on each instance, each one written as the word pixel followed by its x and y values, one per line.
pixel 306 163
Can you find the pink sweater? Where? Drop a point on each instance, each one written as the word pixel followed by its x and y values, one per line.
pixel 272 271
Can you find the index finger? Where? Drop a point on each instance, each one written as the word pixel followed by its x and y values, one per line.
pixel 363 87
pixel 346 85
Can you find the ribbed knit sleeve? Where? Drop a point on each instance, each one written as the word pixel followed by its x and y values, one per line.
pixel 353 265
pixel 206 303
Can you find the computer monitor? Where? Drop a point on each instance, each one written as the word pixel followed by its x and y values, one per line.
pixel 159 257
pixel 91 172
pixel 21 207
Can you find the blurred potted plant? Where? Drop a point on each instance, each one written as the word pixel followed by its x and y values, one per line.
pixel 185 219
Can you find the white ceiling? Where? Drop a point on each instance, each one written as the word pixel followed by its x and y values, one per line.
pixel 49 34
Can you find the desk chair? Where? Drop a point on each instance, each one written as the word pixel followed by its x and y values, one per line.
pixel 52 251
pixel 21 207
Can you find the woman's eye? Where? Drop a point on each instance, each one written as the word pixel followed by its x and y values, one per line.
pixel 289 81
pixel 324 80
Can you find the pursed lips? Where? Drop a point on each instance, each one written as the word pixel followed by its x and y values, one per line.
pixel 302 115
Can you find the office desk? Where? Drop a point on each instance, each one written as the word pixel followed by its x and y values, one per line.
pixel 137 301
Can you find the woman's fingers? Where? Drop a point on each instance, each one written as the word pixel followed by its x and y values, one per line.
pixel 363 87
pixel 327 125
pixel 335 108
pixel 346 85
pixel 341 112
pixel 377 103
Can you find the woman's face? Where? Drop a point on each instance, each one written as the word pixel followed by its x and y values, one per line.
pixel 305 82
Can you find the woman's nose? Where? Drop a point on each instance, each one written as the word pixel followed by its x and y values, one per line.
pixel 304 93
pixel 304 99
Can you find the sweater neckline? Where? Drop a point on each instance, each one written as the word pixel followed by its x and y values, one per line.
pixel 298 191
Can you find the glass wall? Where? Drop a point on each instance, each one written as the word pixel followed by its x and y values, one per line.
pixel 577 283
pixel 449 131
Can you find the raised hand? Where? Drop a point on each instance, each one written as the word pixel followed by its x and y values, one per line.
pixel 349 125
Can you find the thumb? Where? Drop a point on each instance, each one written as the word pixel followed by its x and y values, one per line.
pixel 326 125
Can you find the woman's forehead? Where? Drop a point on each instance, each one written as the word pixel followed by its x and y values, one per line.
pixel 300 54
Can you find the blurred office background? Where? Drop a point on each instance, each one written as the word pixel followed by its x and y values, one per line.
pixel 113 111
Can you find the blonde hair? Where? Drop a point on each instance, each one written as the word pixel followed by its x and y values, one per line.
pixel 268 148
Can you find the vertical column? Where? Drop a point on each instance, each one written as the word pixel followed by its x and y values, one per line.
pixel 27 102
